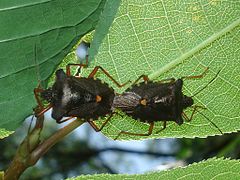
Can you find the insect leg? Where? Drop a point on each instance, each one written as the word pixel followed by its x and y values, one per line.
pixel 197 76
pixel 185 116
pixel 36 92
pixel 193 112
pixel 94 126
pixel 94 71
pixel 164 127
pixel 40 109
pixel 68 68
pixel 144 77
pixel 64 120
pixel 150 129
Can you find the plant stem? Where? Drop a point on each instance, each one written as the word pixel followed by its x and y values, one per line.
pixel 14 171
pixel 46 145
pixel 30 150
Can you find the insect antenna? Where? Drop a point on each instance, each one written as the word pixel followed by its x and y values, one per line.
pixel 207 84
pixel 202 90
pixel 210 121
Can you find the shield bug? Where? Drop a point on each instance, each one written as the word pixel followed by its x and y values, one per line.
pixel 86 98
pixel 164 100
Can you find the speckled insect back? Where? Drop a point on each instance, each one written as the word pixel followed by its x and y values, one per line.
pixel 150 102
pixel 85 98
pixel 153 101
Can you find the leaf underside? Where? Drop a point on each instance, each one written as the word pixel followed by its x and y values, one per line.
pixel 166 39
pixel 209 169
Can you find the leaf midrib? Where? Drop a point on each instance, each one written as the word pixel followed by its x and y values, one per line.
pixel 194 50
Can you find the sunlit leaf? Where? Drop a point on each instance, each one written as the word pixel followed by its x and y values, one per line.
pixel 166 39
pixel 4 133
pixel 209 169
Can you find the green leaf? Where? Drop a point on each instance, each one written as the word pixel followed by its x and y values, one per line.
pixel 4 133
pixel 209 169
pixel 103 26
pixel 165 39
pixel 53 27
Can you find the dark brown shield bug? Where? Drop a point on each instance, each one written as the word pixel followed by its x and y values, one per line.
pixel 86 98
pixel 150 102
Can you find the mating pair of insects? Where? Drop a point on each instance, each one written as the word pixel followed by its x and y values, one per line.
pixel 89 98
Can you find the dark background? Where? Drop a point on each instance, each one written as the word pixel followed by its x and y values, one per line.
pixel 88 152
